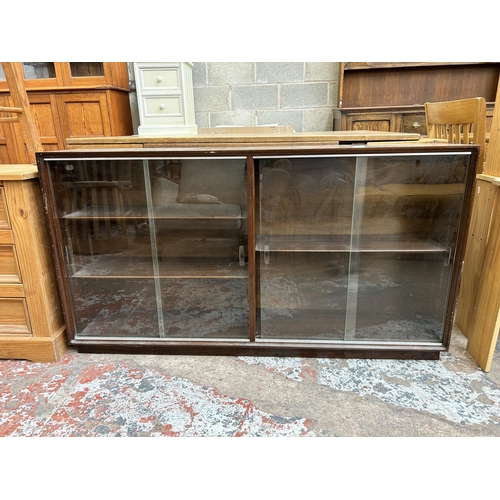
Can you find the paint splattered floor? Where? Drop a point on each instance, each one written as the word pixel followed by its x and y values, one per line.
pixel 189 396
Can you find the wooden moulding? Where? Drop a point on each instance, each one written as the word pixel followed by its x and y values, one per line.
pixel 36 349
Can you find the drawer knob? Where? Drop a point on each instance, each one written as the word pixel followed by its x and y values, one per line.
pixel 160 79
pixel 416 125
pixel 162 106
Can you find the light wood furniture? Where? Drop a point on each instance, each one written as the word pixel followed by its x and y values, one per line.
pixel 391 95
pixel 68 100
pixel 31 318
pixel 351 250
pixel 478 311
pixel 462 121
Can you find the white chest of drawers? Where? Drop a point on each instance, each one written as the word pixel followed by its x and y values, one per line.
pixel 165 98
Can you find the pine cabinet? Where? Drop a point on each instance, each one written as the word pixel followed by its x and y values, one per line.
pixel 70 100
pixel 31 317
pixel 307 250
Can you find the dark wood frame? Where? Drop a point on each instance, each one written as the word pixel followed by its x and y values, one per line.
pixel 251 347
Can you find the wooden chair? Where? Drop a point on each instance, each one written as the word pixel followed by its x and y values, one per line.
pixel 460 122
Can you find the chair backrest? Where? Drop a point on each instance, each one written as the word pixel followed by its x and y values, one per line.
pixel 462 121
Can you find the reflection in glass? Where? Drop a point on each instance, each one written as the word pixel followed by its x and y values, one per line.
pixel 154 248
pixel 199 215
pixel 37 70
pixel 358 249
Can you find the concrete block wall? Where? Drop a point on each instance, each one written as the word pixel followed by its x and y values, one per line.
pixel 301 94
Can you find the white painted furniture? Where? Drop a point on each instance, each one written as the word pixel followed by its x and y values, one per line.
pixel 165 98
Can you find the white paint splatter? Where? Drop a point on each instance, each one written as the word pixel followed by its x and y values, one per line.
pixel 419 385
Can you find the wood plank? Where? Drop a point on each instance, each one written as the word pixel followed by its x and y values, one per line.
pixel 486 317
pixel 269 129
pixel 474 270
pixel 475 251
pixel 18 172
pixel 201 140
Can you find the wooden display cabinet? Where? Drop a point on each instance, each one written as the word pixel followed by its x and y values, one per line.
pixel 339 251
pixel 31 318
pixel 70 100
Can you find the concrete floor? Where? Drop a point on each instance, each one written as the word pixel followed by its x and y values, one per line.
pixel 185 396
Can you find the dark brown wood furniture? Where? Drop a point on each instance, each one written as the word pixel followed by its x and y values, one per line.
pixel 350 251
pixel 69 99
pixel 391 95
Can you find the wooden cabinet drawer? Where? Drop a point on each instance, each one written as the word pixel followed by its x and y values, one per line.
pixel 159 78
pixel 414 123
pixel 14 316
pixel 9 266
pixel 4 215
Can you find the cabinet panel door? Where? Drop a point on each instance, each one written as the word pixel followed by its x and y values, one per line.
pixel 84 114
pixel 44 111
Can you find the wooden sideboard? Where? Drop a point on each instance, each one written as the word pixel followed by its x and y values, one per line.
pixel 69 100
pixel 391 96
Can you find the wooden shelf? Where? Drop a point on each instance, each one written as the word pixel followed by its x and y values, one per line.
pixel 111 266
pixel 161 213
pixel 325 244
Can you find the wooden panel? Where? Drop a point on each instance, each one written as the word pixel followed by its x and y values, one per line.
pixel 11 290
pixel 33 248
pixel 474 255
pixel 44 111
pixel 414 123
pixel 14 316
pixel 6 237
pixel 84 114
pixel 486 317
pixel 8 146
pixel 9 268
pixel 416 85
pixel 4 214
pixel 381 122
pixel 120 112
